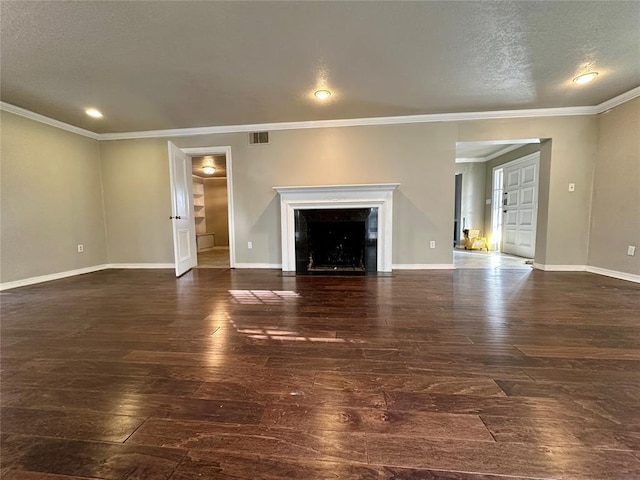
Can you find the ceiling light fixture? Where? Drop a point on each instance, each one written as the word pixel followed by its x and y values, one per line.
pixel 585 78
pixel 322 94
pixel 209 170
pixel 92 112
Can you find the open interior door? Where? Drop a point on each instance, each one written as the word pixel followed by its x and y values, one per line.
pixel 184 227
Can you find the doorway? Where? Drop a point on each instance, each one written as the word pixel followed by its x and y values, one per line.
pixel 210 200
pixel 457 228
pixel 480 179
pixel 220 160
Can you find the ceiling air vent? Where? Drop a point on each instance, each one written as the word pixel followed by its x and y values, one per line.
pixel 257 138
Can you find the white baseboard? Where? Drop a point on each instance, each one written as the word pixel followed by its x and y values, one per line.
pixel 615 274
pixel 423 266
pixel 72 273
pixel 53 276
pixel 560 268
pixel 141 265
pixel 277 266
pixel 406 266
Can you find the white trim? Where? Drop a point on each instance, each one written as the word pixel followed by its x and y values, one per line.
pixel 277 266
pixel 378 196
pixel 471 159
pixel 619 100
pixel 355 122
pixel 614 273
pixel 352 122
pixel 141 265
pixel 226 151
pixel 7 107
pixel 53 276
pixel 423 266
pixel 560 268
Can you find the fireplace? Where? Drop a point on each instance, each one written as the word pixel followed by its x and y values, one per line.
pixel 316 219
pixel 337 240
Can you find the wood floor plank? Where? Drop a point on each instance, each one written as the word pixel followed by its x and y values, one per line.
pixel 368 420
pixel 64 424
pixel 580 352
pixel 517 407
pixel 409 383
pixel 234 467
pixel 266 441
pixel 554 432
pixel 88 459
pixel 498 458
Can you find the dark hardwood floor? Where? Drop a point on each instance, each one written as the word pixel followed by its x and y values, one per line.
pixel 450 375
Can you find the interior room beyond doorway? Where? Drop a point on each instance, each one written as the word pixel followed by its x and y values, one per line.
pixel 210 203
pixel 483 203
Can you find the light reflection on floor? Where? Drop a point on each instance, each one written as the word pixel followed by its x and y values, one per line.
pixel 253 297
pixel 249 297
pixel 490 260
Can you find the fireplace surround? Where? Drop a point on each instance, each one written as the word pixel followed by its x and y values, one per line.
pixel 378 197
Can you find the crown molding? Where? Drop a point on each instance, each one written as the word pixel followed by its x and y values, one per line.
pixel 470 159
pixel 354 122
pixel 7 107
pixel 619 100
pixel 348 122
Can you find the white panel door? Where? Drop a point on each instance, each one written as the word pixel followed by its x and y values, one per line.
pixel 520 206
pixel 184 227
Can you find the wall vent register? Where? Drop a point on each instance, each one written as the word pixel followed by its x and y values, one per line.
pixel 258 138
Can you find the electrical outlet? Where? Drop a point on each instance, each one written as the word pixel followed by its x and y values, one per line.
pixel 572 187
pixel 631 250
pixel 432 244
pixel 80 248
pixel 249 244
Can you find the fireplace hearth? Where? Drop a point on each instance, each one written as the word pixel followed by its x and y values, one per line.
pixel 336 241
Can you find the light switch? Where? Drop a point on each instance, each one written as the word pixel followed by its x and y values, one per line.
pixel 572 187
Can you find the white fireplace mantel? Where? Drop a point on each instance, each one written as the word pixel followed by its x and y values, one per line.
pixel 379 195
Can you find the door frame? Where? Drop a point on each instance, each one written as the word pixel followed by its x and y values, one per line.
pixel 226 151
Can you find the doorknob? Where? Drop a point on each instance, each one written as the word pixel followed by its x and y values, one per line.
pixel 177 217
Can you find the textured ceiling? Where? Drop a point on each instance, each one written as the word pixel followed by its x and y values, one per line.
pixel 158 65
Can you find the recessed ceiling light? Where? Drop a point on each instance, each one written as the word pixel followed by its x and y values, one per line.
pixel 209 170
pixel 92 112
pixel 585 78
pixel 322 94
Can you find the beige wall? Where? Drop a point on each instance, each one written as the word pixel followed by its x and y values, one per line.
pixel 137 201
pixel 216 209
pixel 615 221
pixel 51 200
pixel 135 180
pixel 473 192
pixel 418 156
